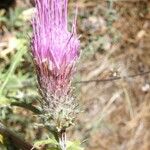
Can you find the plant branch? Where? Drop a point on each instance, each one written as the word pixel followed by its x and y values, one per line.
pixel 113 78
pixel 15 139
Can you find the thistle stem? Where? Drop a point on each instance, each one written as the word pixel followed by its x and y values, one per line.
pixel 62 140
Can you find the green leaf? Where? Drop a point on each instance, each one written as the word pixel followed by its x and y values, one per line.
pixel 5 101
pixel 1 139
pixel 76 145
pixel 15 61
pixel 51 141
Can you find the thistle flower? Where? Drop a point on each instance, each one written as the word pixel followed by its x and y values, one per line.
pixel 54 48
pixel 55 51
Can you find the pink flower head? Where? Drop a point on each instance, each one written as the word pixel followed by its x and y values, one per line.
pixel 54 48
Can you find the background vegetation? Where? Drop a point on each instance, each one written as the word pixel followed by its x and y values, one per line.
pixel 112 80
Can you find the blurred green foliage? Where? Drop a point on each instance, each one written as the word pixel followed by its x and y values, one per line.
pixel 17 82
